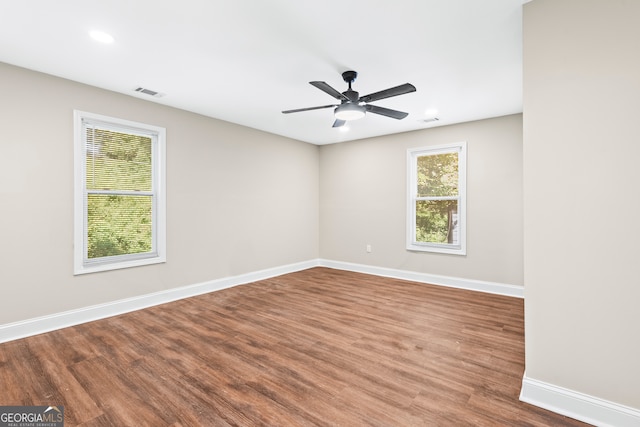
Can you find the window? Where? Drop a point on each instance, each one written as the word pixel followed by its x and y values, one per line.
pixel 119 205
pixel 436 212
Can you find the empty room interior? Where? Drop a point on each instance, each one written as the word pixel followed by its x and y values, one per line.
pixel 438 230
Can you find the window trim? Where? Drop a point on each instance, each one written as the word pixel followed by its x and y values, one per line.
pixel 158 255
pixel 412 190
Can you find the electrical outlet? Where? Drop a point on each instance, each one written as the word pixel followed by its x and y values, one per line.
pixel 368 248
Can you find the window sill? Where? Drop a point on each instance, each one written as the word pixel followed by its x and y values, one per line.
pixel 441 249
pixel 98 267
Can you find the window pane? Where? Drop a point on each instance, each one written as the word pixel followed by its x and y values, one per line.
pixel 118 161
pixel 437 221
pixel 118 225
pixel 438 175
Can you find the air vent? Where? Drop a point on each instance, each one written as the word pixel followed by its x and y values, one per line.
pixel 149 92
pixel 430 120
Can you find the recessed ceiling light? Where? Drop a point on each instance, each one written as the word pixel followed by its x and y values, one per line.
pixel 101 36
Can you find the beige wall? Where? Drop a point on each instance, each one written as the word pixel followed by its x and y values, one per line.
pixel 581 175
pixel 238 200
pixel 363 201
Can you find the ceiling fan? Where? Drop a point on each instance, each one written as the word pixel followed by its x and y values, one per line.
pixel 352 106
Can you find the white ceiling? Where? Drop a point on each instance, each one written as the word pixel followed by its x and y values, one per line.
pixel 244 61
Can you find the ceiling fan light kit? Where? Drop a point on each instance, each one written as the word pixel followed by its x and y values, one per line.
pixel 353 106
pixel 349 111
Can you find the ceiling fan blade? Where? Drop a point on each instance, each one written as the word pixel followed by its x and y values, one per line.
pixel 388 93
pixel 338 123
pixel 328 89
pixel 308 109
pixel 394 114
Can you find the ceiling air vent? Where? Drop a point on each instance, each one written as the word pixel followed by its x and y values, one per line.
pixel 430 120
pixel 149 92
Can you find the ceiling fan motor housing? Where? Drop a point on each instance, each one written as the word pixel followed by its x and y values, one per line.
pixel 351 95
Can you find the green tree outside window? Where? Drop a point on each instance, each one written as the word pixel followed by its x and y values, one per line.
pixel 437 198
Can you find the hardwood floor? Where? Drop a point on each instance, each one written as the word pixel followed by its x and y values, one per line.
pixel 319 347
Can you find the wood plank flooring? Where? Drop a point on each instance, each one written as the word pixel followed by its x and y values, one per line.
pixel 320 347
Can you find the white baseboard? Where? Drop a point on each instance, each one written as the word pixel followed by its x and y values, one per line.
pixel 577 405
pixel 452 282
pixel 39 325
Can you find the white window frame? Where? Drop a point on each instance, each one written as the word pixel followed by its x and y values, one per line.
pixel 412 198
pixel 157 255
